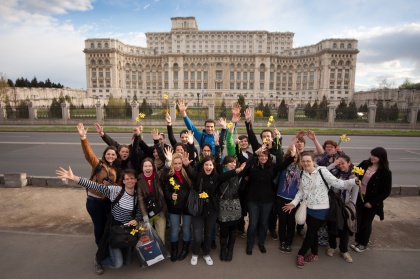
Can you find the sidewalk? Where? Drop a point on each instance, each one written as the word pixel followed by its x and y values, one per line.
pixel 42 255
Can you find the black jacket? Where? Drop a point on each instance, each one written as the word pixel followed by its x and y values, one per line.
pixel 378 188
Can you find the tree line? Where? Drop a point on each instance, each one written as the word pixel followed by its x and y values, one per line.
pixel 24 82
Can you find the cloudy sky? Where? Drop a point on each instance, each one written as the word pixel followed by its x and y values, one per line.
pixel 45 38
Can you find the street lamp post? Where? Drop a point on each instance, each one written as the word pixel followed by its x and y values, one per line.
pixel 198 104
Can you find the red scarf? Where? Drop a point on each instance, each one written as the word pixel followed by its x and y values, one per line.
pixel 178 174
pixel 149 181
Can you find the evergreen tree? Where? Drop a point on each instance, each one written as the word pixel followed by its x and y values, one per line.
pixel 393 113
pixel 352 110
pixel 341 111
pixel 34 82
pixel 22 110
pixel 266 111
pixel 380 112
pixel 145 108
pixel 223 110
pixel 308 109
pixel 241 102
pixel 322 112
pixel 363 108
pixel 282 112
pixel 10 83
pixel 55 109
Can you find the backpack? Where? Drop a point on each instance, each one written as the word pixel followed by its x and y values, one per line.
pixel 96 170
pixel 336 214
pixel 350 211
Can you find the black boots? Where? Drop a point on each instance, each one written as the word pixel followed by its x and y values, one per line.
pixel 174 251
pixel 231 244
pixel 184 251
pixel 223 248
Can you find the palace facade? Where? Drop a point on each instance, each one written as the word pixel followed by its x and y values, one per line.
pixel 187 62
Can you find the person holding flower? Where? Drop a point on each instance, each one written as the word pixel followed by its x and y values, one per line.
pixel 331 151
pixel 149 188
pixel 175 175
pixel 312 188
pixel 207 179
pixel 376 184
pixel 342 168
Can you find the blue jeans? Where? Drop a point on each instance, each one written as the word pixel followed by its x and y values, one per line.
pixel 98 211
pixel 117 257
pixel 259 213
pixel 175 221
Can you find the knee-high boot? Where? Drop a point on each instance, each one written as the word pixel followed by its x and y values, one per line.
pixel 174 251
pixel 184 251
pixel 231 244
pixel 223 248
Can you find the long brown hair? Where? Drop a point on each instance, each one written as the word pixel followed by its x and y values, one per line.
pixel 183 172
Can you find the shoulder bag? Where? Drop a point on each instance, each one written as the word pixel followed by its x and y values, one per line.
pixel 300 215
pixel 194 202
pixel 122 235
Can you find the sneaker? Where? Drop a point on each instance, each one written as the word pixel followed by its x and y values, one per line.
pixel 310 258
pixel 330 251
pixel 300 261
pixel 194 260
pixel 274 235
pixel 97 267
pixel 346 256
pixel 208 260
pixel 360 248
pixel 283 247
pixel 288 249
pixel 352 246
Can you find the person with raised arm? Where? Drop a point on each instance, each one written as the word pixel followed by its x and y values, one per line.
pixel 206 135
pixel 104 171
pixel 177 185
pixel 124 212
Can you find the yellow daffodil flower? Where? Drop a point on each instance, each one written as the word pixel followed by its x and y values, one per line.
pixel 134 231
pixel 172 181
pixel 271 118
pixel 229 125
pixel 165 96
pixel 347 139
pixel 343 137
pixel 137 119
pixel 176 187
pixel 203 195
pixel 268 124
pixel 142 115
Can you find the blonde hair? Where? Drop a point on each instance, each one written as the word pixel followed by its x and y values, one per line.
pixel 183 172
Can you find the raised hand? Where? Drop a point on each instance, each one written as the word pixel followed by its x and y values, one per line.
pixel 222 122
pixel 301 134
pixel 236 117
pixel 186 159
pixel 99 129
pixel 311 135
pixel 277 133
pixel 248 115
pixel 190 136
pixel 63 173
pixel 236 108
pixel 168 153
pixel 182 106
pixel 82 131
pixel 136 130
pixel 216 137
pixel 168 118
pixel 238 170
pixel 155 134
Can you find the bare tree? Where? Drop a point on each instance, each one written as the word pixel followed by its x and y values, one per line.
pixel 4 87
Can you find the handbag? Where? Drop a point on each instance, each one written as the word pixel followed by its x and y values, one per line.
pixel 153 206
pixel 300 215
pixel 194 202
pixel 120 236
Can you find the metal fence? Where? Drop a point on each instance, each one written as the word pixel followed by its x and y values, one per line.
pixel 392 115
pixel 17 112
pixel 311 114
pixel 349 115
pixel 117 112
pixel 49 113
pixel 196 113
pixel 81 112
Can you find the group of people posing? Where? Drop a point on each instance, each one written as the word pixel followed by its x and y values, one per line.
pixel 262 180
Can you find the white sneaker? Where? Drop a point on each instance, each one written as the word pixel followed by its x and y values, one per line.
pixel 208 260
pixel 194 259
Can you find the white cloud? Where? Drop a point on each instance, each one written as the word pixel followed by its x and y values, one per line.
pixel 146 6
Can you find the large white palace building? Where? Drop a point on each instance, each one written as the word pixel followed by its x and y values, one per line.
pixel 187 62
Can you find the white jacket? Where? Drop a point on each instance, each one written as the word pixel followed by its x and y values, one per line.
pixel 318 196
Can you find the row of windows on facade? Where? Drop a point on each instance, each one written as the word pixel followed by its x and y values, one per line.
pixel 219 37
pixel 219 75
pixel 301 52
pixel 225 43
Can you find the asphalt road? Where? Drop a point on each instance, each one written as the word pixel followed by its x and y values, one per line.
pixel 40 153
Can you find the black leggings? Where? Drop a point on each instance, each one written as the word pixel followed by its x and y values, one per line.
pixel 311 238
pixel 228 227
